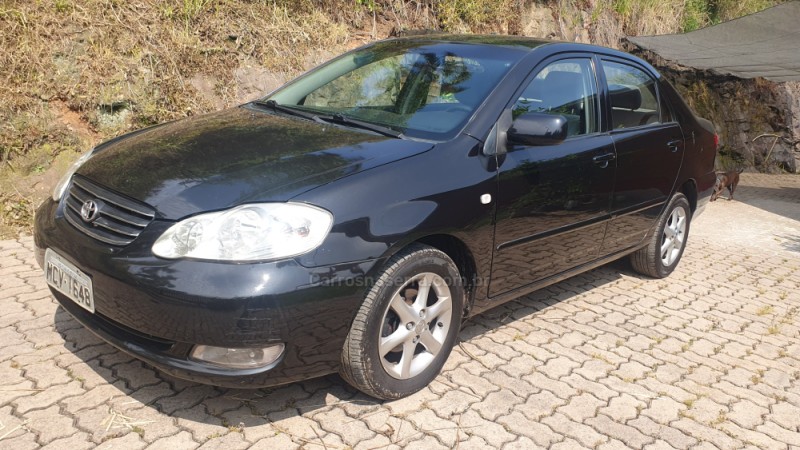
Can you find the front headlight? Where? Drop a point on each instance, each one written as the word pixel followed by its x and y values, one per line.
pixel 58 191
pixel 255 232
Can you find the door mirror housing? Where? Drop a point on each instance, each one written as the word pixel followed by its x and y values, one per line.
pixel 536 128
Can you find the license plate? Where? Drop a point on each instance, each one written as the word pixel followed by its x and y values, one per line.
pixel 69 280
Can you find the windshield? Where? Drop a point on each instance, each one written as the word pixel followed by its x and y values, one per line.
pixel 422 89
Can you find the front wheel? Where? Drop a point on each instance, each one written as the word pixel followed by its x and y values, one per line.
pixel 661 254
pixel 407 325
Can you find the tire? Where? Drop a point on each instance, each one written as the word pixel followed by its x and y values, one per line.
pixel 400 338
pixel 664 250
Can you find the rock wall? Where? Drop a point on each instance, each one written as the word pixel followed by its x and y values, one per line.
pixel 758 120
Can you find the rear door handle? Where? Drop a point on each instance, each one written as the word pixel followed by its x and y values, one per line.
pixel 673 145
pixel 602 160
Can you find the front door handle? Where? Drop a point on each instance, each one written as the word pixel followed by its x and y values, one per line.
pixel 673 145
pixel 602 160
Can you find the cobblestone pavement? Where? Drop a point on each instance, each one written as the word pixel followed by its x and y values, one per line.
pixel 708 358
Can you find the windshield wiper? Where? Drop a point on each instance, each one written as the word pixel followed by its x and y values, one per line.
pixel 345 120
pixel 275 106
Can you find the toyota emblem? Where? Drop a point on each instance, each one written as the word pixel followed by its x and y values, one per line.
pixel 89 211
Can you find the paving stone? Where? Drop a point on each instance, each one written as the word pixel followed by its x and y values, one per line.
pixel 568 444
pixel 93 398
pixel 556 387
pixel 658 445
pixel 479 385
pixel 704 433
pixel 49 425
pixel 43 399
pixel 350 430
pixel 747 414
pixel 275 441
pixel 624 434
pixel 494 434
pixel 775 431
pixel 20 439
pixel 674 436
pixel 200 424
pixel 541 405
pixel 558 367
pixel 709 358
pixel 425 443
pixel 520 425
pixel 496 404
pixel 785 415
pixel 182 440
pixel 230 441
pixel 130 441
pixel 521 388
pixel 414 402
pixel 631 371
pixel 136 375
pixel 184 399
pixel 581 407
pixel 521 443
pixel 584 434
pixel 599 390
pixel 705 410
pixel 451 403
pixel 708 391
pixel 153 424
pixel 377 441
pixel 623 408
pixel 76 441
pixel 751 437
pixel 613 444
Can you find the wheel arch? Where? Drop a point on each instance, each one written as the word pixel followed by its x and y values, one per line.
pixel 689 189
pixel 461 255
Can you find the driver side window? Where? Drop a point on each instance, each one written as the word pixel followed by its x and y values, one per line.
pixel 566 87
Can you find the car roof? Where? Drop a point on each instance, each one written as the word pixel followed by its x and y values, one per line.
pixel 523 43
pixel 520 42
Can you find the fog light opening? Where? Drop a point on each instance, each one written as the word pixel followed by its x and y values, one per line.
pixel 238 358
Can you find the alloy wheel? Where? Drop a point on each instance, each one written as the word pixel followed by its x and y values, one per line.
pixel 674 236
pixel 415 325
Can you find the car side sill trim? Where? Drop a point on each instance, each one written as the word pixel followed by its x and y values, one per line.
pixel 536 285
pixel 638 208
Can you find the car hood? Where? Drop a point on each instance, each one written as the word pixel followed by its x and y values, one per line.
pixel 239 155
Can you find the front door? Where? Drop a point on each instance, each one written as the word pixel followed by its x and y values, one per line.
pixel 553 201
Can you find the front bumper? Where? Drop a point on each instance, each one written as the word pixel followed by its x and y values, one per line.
pixel 157 310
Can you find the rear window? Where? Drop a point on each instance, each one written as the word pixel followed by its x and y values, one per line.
pixel 633 96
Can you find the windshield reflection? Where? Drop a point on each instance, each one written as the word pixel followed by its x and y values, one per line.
pixel 422 89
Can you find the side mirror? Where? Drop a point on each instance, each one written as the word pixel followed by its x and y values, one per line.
pixel 536 128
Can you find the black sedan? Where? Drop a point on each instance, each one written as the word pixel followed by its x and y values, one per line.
pixel 353 219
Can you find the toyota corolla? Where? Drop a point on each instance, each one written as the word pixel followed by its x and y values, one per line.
pixel 354 218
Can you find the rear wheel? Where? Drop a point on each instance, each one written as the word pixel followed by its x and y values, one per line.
pixel 407 325
pixel 661 255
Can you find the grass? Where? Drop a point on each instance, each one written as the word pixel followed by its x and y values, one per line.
pixel 670 16
pixel 84 71
pixel 764 310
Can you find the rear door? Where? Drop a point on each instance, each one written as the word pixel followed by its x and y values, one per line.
pixel 649 146
pixel 553 200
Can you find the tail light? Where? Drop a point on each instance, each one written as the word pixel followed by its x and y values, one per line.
pixel 716 141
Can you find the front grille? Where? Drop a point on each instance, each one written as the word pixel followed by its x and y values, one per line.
pixel 119 220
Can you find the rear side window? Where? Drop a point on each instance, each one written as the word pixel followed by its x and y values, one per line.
pixel 633 96
pixel 566 87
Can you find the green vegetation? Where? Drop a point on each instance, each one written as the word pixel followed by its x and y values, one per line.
pixel 671 16
pixel 74 73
